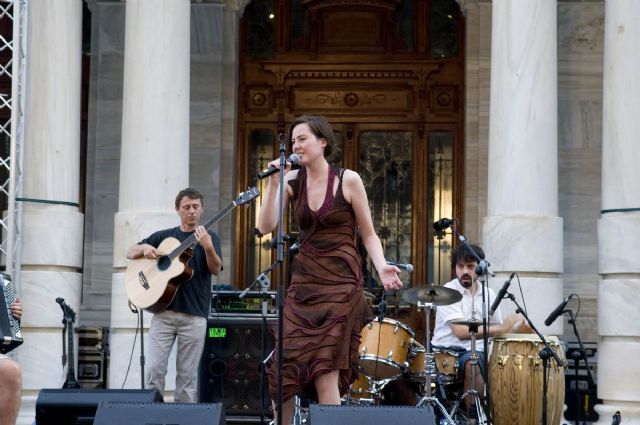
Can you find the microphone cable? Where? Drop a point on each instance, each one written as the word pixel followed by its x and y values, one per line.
pixel 133 347
pixel 524 302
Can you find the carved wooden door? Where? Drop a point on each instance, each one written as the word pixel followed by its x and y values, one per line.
pixel 389 76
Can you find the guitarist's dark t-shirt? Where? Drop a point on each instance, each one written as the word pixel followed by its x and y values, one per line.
pixel 194 295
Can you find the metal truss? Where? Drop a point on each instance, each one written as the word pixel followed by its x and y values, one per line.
pixel 12 68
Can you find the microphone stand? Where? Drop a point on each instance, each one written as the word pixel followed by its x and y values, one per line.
pixel 142 359
pixel 69 317
pixel 482 271
pixel 281 278
pixel 544 354
pixel 264 282
pixel 577 356
pixel 138 311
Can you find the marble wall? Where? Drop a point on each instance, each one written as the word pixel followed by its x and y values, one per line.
pixel 207 130
pixel 580 66
pixel 580 61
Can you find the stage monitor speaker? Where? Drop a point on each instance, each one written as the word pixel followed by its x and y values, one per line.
pixel 129 413
pixel 232 363
pixel 323 414
pixel 78 406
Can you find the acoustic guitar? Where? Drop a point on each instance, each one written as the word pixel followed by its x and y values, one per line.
pixel 152 284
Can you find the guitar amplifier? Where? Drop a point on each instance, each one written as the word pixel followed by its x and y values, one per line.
pixel 10 335
pixel 250 303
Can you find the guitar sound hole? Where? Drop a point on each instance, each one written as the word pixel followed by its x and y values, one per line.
pixel 164 262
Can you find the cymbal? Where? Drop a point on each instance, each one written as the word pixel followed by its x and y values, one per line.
pixel 469 323
pixel 437 295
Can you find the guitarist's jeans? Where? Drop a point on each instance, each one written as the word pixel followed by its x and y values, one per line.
pixel 190 333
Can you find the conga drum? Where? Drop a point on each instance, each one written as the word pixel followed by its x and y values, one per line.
pixel 516 372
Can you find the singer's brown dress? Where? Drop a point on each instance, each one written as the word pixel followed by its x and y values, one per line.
pixel 325 308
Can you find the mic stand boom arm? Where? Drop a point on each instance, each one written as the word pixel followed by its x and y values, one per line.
pixel 261 277
pixel 545 353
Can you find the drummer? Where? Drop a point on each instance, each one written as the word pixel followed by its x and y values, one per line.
pixel 455 337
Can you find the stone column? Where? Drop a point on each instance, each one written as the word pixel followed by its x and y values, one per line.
pixel 522 231
pixel 154 162
pixel 52 225
pixel 619 224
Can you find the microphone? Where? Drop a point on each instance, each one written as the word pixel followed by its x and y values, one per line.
pixel 440 226
pixel 294 158
pixel 557 312
pixel 501 295
pixel 245 292
pixel 262 279
pixel 294 248
pixel 616 419
pixel 401 266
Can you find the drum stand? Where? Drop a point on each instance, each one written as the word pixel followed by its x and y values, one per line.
pixel 472 392
pixel 429 365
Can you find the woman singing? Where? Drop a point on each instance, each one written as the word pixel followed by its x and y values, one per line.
pixel 325 308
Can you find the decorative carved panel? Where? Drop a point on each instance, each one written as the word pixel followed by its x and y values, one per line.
pixel 351 31
pixel 354 26
pixel 259 99
pixel 443 99
pixel 375 100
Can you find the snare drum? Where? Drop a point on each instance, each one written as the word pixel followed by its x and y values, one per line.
pixel 446 365
pixel 384 348
pixel 515 370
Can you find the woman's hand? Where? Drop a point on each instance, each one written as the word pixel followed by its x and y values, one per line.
pixel 275 177
pixel 389 277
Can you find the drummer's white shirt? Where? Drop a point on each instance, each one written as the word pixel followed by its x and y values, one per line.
pixel 442 333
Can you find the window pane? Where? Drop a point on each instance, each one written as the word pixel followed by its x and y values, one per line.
pixel 440 203
pixel 404 23
pixel 259 18
pixel 445 28
pixel 259 252
pixel 337 154
pixel 299 25
pixel 384 162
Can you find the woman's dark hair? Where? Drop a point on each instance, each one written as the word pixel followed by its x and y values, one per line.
pixel 320 128
pixel 189 193
pixel 463 254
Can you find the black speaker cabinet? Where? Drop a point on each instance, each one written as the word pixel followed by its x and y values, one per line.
pixel 129 413
pixel 232 363
pixel 322 414
pixel 78 406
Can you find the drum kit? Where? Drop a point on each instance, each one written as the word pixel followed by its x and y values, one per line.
pixel 389 352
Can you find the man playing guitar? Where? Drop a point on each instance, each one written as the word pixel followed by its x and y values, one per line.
pixel 185 318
